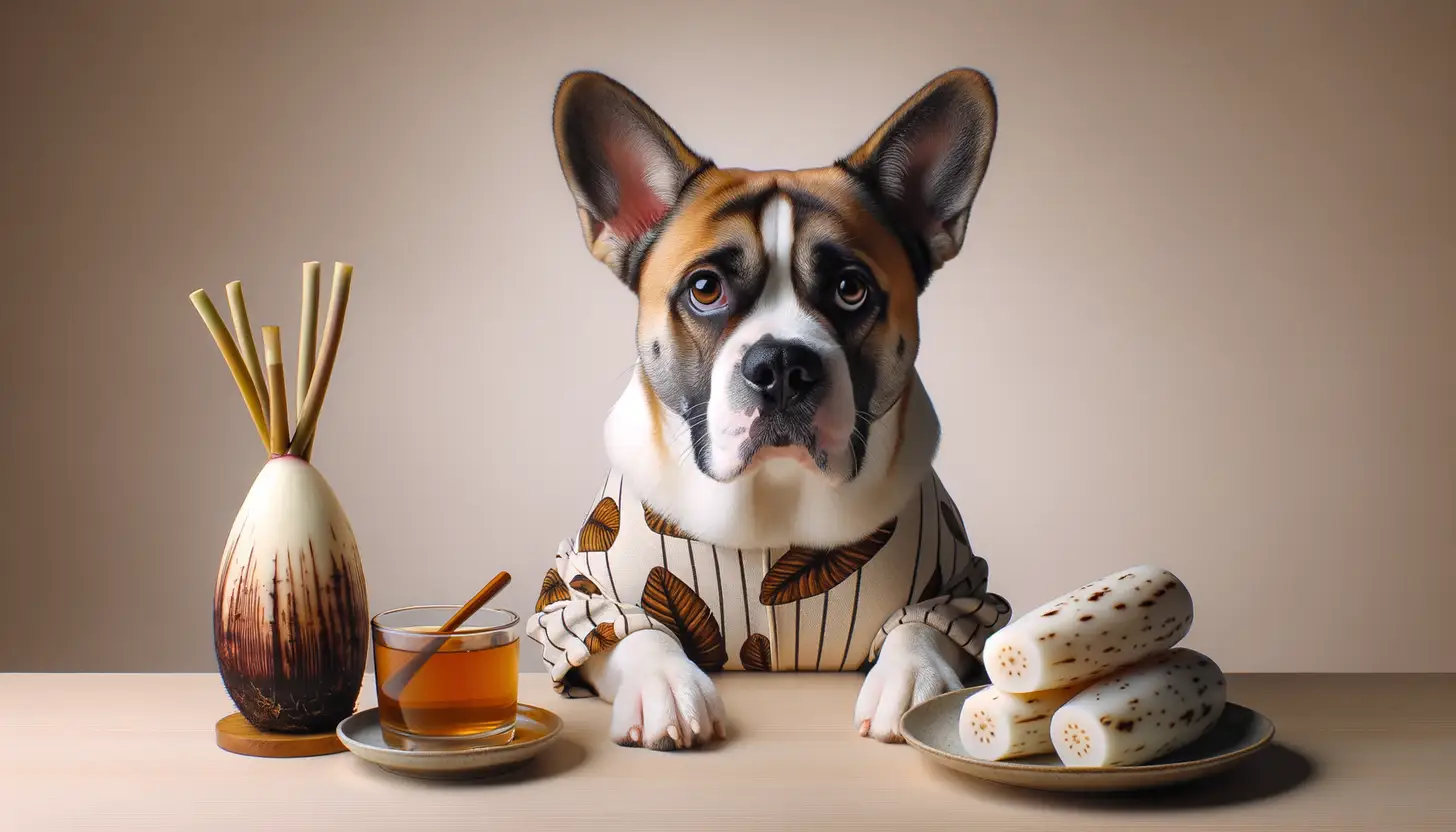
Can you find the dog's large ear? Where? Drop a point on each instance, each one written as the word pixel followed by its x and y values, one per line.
pixel 926 162
pixel 625 166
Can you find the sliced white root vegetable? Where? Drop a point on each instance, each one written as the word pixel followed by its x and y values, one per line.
pixel 1091 631
pixel 998 725
pixel 1141 712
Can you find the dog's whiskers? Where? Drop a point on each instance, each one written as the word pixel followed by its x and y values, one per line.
pixel 687 427
pixel 630 368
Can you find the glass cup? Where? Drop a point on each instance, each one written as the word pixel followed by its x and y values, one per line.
pixel 446 691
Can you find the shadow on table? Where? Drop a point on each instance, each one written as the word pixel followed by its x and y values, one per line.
pixel 1276 770
pixel 564 755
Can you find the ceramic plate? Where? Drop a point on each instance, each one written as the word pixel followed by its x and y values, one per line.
pixel 536 729
pixel 933 728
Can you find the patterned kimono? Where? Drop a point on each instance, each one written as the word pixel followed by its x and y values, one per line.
pixel 792 608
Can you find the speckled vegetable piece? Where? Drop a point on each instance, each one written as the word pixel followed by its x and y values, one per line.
pixel 997 725
pixel 1091 631
pixel 1141 712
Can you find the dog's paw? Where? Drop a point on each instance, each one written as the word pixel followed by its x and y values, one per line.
pixel 912 667
pixel 664 702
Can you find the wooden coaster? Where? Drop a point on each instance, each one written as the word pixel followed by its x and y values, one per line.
pixel 236 734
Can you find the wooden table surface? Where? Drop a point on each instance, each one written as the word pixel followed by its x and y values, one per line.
pixel 119 751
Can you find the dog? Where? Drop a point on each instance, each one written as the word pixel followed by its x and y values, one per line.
pixel 771 503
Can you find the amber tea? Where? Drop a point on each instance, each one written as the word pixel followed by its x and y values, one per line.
pixel 457 692
pixel 464 694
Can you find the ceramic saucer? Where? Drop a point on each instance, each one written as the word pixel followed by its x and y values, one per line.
pixel 933 727
pixel 536 729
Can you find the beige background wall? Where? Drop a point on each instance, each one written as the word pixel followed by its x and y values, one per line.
pixel 1207 315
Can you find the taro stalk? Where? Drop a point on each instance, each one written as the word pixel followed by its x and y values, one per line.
pixel 290 612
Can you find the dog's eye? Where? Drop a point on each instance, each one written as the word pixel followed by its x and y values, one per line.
pixel 852 291
pixel 706 290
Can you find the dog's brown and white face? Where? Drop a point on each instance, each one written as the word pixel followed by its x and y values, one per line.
pixel 777 309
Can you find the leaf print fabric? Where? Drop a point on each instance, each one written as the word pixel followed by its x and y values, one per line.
pixel 584 585
pixel 674 604
pixel 629 568
pixel 601 528
pixel 578 623
pixel 963 611
pixel 755 653
pixel 553 589
pixel 802 573
pixel 661 525
pixel 602 637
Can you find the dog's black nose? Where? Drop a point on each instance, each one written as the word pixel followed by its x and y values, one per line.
pixel 781 372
